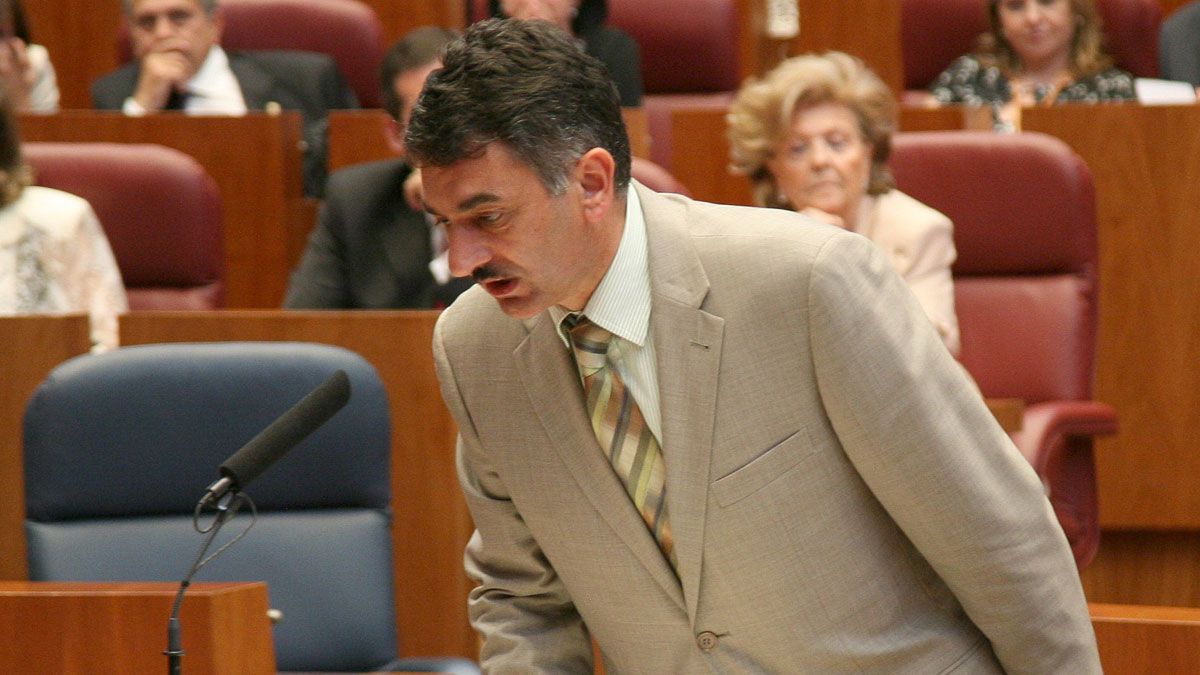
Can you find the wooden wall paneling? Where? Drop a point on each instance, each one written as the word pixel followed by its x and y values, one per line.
pixel 1146 163
pixel 69 627
pixel 400 16
pixel 255 161
pixel 30 347
pixel 431 524
pixel 868 29
pixel 81 36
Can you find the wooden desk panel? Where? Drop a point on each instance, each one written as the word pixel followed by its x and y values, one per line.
pixel 702 163
pixel 1141 639
pixel 255 161
pixel 75 628
pixel 1146 163
pixel 30 347
pixel 431 524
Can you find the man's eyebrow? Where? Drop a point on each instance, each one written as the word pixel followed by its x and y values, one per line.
pixel 476 200
pixel 466 204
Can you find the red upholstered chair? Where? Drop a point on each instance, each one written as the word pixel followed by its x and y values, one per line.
pixel 656 178
pixel 1026 294
pixel 160 211
pixel 347 30
pixel 935 32
pixel 689 58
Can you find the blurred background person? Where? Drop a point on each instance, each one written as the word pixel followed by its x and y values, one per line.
pixel 1037 52
pixel 25 69
pixel 1179 45
pixel 180 65
pixel 373 247
pixel 814 135
pixel 54 257
pixel 584 19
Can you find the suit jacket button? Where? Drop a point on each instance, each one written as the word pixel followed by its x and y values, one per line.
pixel 706 640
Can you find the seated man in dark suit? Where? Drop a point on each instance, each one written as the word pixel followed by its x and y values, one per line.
pixel 372 248
pixel 1179 45
pixel 180 66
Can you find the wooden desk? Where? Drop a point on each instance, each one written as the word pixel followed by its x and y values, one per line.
pixel 430 523
pixel 77 628
pixel 1145 639
pixel 255 161
pixel 30 347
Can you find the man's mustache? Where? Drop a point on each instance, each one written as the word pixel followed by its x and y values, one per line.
pixel 484 273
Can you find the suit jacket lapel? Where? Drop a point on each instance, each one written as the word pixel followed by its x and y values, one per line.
pixel 258 88
pixel 688 346
pixel 552 382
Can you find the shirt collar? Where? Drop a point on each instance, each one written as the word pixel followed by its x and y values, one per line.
pixel 209 78
pixel 621 302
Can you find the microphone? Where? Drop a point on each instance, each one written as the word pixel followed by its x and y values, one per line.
pixel 285 433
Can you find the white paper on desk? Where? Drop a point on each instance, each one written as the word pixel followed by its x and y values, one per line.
pixel 1163 92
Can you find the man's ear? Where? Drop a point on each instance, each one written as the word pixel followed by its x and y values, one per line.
pixel 595 172
pixel 394 134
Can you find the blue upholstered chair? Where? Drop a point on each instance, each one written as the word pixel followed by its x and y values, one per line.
pixel 120 446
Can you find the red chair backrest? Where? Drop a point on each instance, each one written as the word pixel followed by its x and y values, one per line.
pixel 346 30
pixel 688 46
pixel 160 211
pixel 1026 278
pixel 935 32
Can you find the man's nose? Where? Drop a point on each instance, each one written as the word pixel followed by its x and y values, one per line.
pixel 466 250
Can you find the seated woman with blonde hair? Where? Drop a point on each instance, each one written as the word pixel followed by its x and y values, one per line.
pixel 54 257
pixel 814 136
pixel 1038 52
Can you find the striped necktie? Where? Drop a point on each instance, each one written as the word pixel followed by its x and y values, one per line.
pixel 623 434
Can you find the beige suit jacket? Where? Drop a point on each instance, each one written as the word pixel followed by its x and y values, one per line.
pixel 919 241
pixel 841 499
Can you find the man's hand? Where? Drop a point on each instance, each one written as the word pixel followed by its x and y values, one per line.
pixel 165 69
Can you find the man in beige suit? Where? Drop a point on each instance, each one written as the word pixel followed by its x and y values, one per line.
pixel 815 485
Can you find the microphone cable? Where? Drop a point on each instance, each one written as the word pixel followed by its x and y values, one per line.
pixel 225 511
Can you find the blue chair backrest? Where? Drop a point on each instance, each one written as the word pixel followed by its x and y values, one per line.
pixel 120 446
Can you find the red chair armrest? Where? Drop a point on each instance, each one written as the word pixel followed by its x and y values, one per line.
pixel 1056 438
pixel 1046 422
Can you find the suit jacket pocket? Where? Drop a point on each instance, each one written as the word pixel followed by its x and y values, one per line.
pixel 764 469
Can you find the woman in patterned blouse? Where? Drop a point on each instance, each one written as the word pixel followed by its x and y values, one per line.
pixel 1038 52
pixel 54 257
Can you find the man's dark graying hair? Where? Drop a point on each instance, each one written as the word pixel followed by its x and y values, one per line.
pixel 528 85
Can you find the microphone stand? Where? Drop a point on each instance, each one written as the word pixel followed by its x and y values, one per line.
pixel 226 510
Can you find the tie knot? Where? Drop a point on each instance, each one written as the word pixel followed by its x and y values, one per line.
pixel 590 341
